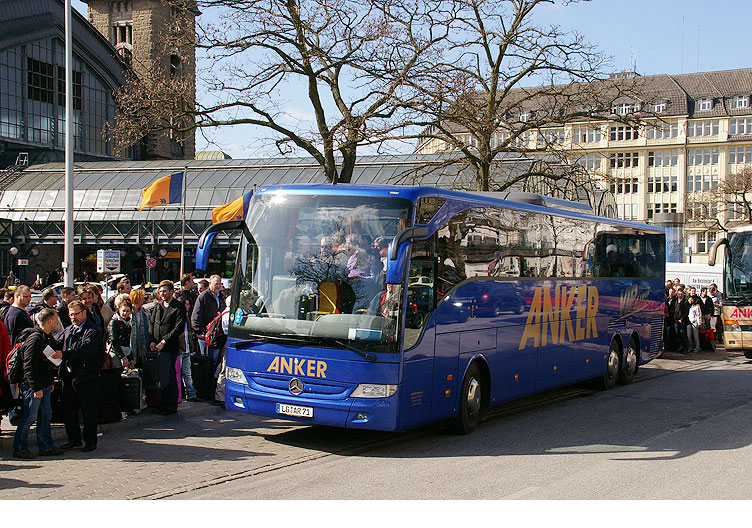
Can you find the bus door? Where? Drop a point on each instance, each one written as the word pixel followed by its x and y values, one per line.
pixel 418 391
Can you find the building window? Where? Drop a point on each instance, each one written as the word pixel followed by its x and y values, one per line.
pixel 623 160
pixel 11 94
pixel 700 237
pixel 624 133
pixel 740 154
pixel 589 161
pixel 663 158
pixel 524 116
pixel 663 131
pixel 741 101
pixel 702 128
pixel 706 156
pixel 551 137
pixel 704 104
pixel 624 108
pixel 740 126
pixel 40 81
pixel 586 135
pixel 659 108
pixel 122 34
pixel 712 237
pixel 176 66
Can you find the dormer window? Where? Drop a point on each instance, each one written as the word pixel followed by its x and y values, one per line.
pixel 624 108
pixel 705 104
pixel 741 101
pixel 524 116
pixel 659 108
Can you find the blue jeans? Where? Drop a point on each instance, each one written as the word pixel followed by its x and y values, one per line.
pixel 33 408
pixel 185 373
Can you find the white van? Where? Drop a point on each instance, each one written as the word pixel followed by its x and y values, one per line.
pixel 697 275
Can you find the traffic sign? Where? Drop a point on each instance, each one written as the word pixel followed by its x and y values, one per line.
pixel 108 261
pixel 151 262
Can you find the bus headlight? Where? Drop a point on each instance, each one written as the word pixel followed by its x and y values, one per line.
pixel 370 390
pixel 235 375
pixel 732 326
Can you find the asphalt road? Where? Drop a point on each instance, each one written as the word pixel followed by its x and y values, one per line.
pixel 682 430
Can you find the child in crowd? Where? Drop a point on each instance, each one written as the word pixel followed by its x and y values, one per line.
pixel 693 328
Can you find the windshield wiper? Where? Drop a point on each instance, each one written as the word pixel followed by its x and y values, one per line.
pixel 280 338
pixel 301 339
pixel 367 355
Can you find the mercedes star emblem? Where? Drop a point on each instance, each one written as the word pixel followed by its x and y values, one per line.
pixel 295 386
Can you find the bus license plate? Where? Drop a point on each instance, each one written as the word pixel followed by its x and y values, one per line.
pixel 295 410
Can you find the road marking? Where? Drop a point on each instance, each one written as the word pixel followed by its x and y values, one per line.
pixel 521 493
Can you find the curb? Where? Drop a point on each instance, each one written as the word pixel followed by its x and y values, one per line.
pixel 132 421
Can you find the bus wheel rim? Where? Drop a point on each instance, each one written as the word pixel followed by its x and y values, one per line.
pixel 631 359
pixel 613 364
pixel 473 396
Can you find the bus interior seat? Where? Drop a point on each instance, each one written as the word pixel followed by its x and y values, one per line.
pixel 329 297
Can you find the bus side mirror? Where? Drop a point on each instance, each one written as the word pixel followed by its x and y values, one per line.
pixel 395 263
pixel 714 248
pixel 207 237
pixel 395 268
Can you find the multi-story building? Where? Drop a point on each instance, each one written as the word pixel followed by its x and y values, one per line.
pixel 32 84
pixel 142 32
pixel 696 130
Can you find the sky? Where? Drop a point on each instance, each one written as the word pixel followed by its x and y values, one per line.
pixel 646 33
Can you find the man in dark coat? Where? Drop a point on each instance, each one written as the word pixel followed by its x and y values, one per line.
pixel 681 320
pixel 67 295
pixel 670 339
pixel 167 325
pixel 17 319
pixel 83 358
pixel 210 303
pixel 36 386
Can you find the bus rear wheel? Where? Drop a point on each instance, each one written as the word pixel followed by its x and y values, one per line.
pixel 611 375
pixel 631 360
pixel 471 399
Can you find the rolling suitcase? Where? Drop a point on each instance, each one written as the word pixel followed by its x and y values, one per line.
pixel 150 379
pixel 131 390
pixel 108 399
pixel 203 377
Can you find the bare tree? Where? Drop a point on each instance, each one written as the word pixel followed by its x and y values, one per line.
pixel 506 80
pixel 348 61
pixel 728 205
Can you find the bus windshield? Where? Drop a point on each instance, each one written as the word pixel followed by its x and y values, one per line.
pixel 314 272
pixel 739 265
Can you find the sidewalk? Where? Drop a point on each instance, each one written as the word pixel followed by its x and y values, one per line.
pixel 131 421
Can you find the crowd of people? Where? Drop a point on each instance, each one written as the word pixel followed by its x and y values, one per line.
pixel 691 319
pixel 77 336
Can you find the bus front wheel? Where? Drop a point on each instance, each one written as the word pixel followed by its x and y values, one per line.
pixel 631 361
pixel 471 398
pixel 611 375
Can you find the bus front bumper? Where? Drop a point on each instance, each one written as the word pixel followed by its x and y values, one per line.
pixel 357 413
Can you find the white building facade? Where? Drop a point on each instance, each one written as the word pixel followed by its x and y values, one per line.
pixel 699 130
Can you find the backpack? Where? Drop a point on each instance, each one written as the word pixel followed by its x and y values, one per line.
pixel 215 336
pixel 14 365
pixel 4 307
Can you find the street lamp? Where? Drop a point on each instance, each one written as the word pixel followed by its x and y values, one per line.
pixel 14 251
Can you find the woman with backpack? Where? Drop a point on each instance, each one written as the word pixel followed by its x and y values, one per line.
pixel 36 385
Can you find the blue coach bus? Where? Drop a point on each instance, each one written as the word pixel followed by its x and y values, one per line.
pixel 386 307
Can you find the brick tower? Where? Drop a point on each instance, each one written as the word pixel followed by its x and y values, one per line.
pixel 139 29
